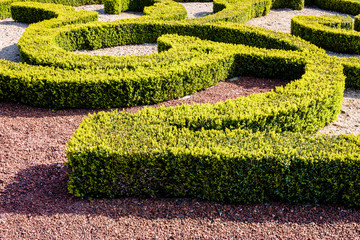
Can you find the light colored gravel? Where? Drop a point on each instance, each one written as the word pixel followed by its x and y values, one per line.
pixel 197 9
pixel 140 49
pixel 280 19
pixel 10 33
pixel 349 119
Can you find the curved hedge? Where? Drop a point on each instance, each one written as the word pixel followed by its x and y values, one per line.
pixel 116 6
pixel 222 152
pixel 117 154
pixel 240 150
pixel 344 6
pixel 106 81
pixel 334 33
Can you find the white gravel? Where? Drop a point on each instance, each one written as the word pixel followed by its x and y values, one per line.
pixel 197 9
pixel 140 49
pixel 349 118
pixel 278 20
pixel 10 33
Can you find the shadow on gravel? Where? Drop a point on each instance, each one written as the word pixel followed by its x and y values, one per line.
pixel 11 22
pixel 41 190
pixel 10 53
pixel 352 93
pixel 12 110
pixel 202 14
pixel 259 85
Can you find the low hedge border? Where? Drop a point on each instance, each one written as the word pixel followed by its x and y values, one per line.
pixel 149 154
pixel 158 152
pixel 117 154
pixel 5 11
pixel 51 47
pixel 5 8
pixel 334 33
pixel 157 9
pixel 116 6
pixel 343 6
pixel 134 80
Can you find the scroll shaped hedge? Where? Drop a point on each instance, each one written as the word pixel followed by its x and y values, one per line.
pixel 234 151
pixel 335 33
pixel 220 152
pixel 106 81
pixel 117 154
pixel 116 6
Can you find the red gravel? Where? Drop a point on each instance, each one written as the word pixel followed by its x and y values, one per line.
pixel 34 203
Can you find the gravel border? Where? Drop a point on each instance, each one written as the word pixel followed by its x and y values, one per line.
pixel 35 204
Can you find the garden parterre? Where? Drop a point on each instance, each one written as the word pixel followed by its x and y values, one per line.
pixel 265 167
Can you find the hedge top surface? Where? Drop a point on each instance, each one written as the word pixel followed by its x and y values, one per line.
pixel 132 80
pixel 47 43
pixel 334 33
pixel 223 152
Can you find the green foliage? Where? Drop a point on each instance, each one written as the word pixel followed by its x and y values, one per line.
pixel 344 6
pixel 106 81
pixel 36 12
pixel 118 154
pixel 243 150
pixel 294 4
pixel 113 6
pixel 334 33
pixel 117 6
pixel 5 4
pixel 5 8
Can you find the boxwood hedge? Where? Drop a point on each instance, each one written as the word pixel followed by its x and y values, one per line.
pixel 72 80
pixel 334 33
pixel 250 149
pixel 118 154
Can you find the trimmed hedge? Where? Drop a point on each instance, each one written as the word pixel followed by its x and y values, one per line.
pixel 352 72
pixel 221 152
pixel 200 151
pixel 236 151
pixel 5 8
pixel 106 81
pixel 121 154
pixel 344 6
pixel 334 33
pixel 294 4
pixel 117 6
pixel 5 4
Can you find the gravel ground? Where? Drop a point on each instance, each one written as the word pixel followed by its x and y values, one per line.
pixel 196 9
pixel 280 19
pixel 34 203
pixel 10 33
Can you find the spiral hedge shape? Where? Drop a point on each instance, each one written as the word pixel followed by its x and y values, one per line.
pixel 244 150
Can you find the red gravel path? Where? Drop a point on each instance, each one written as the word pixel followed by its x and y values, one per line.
pixel 34 203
